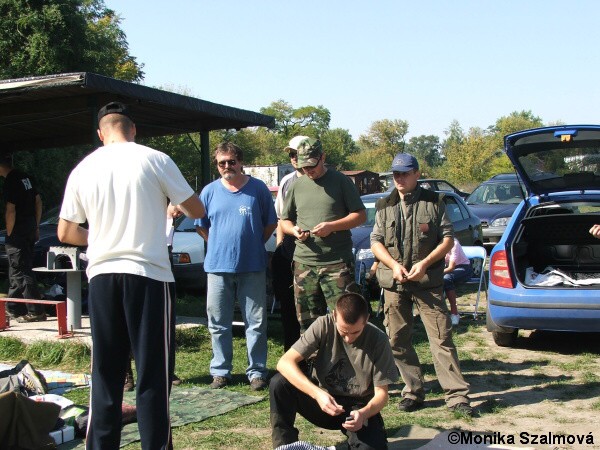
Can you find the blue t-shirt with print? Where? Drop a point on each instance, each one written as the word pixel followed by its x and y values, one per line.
pixel 236 223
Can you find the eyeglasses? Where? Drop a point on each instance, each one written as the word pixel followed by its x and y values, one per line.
pixel 231 162
pixel 293 155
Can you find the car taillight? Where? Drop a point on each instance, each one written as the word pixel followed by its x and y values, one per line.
pixel 499 272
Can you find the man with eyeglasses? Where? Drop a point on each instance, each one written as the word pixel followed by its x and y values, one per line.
pixel 410 238
pixel 320 209
pixel 281 263
pixel 240 218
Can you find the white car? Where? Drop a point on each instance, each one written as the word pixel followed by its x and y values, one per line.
pixel 188 256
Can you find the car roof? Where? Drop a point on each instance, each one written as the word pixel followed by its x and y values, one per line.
pixel 378 195
pixel 504 177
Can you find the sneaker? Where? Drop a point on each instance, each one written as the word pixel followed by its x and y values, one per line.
pixel 32 380
pixel 454 318
pixel 175 380
pixel 258 384
pixel 219 382
pixel 463 409
pixel 31 318
pixel 13 316
pixel 129 383
pixel 409 404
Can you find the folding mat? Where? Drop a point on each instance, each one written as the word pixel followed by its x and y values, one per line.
pixel 188 404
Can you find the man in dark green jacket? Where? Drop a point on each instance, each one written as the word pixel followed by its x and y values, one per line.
pixel 411 236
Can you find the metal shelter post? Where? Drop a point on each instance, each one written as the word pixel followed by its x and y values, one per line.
pixel 205 159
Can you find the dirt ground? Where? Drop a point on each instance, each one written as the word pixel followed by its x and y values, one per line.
pixel 547 385
pixel 544 393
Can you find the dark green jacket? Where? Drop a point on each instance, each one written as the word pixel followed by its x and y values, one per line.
pixel 410 236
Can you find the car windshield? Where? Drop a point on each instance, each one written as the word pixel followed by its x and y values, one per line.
pixel 185 224
pixel 496 193
pixel 563 168
pixel 370 207
pixel 50 216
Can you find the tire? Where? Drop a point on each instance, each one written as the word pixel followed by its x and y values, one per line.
pixel 505 339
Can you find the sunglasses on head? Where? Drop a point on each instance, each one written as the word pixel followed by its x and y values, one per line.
pixel 231 162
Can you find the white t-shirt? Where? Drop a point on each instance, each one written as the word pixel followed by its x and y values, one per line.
pixel 283 190
pixel 121 190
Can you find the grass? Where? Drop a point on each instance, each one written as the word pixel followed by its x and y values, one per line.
pixel 248 427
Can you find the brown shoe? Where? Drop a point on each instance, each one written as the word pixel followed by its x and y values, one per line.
pixel 219 382
pixel 31 318
pixel 129 383
pixel 175 381
pixel 258 384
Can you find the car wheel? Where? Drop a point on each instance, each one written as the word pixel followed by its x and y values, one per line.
pixel 505 339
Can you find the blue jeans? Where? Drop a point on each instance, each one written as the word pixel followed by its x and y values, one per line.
pixel 460 274
pixel 249 289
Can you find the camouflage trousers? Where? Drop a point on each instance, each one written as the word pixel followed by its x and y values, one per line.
pixel 317 288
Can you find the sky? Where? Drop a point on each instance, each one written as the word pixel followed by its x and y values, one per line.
pixel 427 62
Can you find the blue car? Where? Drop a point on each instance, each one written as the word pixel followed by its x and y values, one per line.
pixel 545 270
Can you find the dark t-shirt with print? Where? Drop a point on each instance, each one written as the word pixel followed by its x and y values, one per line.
pixel 21 192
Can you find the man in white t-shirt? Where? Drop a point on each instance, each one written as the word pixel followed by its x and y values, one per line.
pixel 121 190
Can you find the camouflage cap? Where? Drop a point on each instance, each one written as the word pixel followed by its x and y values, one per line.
pixel 309 152
pixel 293 145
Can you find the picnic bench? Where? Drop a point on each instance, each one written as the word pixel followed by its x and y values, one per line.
pixel 61 313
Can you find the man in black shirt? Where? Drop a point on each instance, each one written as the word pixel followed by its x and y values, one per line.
pixel 23 207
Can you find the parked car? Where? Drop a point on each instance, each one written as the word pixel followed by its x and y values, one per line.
pixel 545 270
pixel 494 201
pixel 434 184
pixel 467 228
pixel 188 256
pixel 48 238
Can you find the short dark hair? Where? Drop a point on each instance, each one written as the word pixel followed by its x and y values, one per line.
pixel 229 147
pixel 352 307
pixel 6 159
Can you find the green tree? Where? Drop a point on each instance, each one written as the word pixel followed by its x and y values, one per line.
pixel 468 158
pixel 515 121
pixel 385 136
pixel 339 147
pixel 375 160
pixel 312 121
pixel 426 149
pixel 42 37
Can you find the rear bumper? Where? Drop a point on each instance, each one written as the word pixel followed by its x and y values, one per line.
pixel 579 312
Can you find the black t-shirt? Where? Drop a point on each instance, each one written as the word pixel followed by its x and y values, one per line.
pixel 21 192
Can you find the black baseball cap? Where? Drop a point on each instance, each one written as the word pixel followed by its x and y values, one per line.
pixel 6 158
pixel 113 108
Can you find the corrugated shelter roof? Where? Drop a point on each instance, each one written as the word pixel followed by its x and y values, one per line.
pixel 351 173
pixel 60 110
